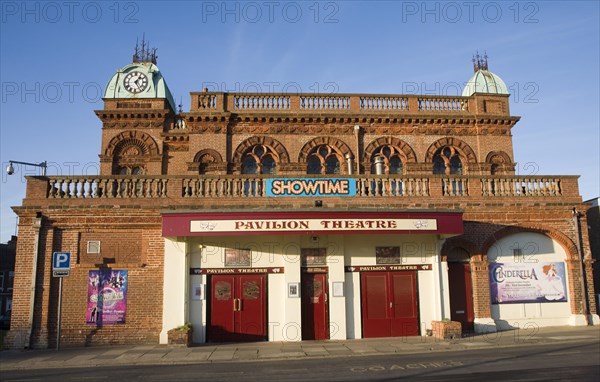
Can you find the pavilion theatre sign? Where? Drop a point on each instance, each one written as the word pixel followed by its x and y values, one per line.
pixel 311 187
pixel 324 224
pixel 227 223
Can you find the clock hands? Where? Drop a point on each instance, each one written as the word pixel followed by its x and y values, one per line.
pixel 135 82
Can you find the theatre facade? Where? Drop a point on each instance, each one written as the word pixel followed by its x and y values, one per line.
pixel 290 217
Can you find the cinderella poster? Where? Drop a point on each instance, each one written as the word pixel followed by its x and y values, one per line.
pixel 512 283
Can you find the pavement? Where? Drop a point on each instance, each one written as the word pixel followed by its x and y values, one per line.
pixel 261 351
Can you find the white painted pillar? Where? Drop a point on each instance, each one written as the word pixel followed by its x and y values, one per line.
pixel 441 287
pixel 289 325
pixel 446 312
pixel 175 286
pixel 337 305
pixel 353 305
pixel 197 307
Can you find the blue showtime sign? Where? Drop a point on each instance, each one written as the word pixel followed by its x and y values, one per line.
pixel 311 187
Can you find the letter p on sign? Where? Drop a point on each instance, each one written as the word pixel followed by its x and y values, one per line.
pixel 61 261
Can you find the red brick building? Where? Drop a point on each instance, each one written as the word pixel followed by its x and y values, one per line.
pixel 299 216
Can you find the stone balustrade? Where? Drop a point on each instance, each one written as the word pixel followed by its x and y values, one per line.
pixel 248 186
pixel 522 186
pixel 444 104
pixel 113 187
pixel 288 102
pixel 384 103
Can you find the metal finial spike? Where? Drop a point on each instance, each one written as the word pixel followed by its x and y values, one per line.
pixel 136 53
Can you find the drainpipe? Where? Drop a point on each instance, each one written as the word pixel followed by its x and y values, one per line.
pixel 577 222
pixel 37 225
pixel 358 153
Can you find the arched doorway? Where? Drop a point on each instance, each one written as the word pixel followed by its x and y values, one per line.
pixel 461 288
pixel 528 281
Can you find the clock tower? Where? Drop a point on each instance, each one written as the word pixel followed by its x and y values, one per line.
pixel 138 110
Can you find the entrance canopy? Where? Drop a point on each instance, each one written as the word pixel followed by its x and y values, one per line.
pixel 310 223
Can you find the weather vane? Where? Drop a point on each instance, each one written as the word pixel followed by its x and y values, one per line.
pixel 144 53
pixel 479 62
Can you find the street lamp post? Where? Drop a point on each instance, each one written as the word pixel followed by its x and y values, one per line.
pixel 37 225
pixel 11 170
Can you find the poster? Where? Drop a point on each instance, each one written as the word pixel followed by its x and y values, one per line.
pixel 512 283
pixel 197 292
pixel 107 297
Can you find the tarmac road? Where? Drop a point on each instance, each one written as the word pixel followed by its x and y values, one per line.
pixel 577 360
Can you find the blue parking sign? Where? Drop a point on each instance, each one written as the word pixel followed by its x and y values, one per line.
pixel 61 261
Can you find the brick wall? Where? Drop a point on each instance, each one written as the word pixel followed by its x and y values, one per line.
pixel 129 230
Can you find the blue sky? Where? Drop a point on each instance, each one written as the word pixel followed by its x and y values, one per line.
pixel 57 57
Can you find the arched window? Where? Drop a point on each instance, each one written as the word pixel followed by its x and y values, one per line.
pixel 323 159
pixel 446 161
pixel 205 161
pixel 392 160
pixel 259 159
pixel 135 170
pixel 495 169
pixel 499 163
pixel 129 159
pixel 249 165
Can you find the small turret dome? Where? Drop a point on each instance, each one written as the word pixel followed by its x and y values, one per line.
pixel 484 81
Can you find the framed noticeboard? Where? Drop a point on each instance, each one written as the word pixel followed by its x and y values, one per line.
pixel 338 289
pixel 198 292
pixel 293 290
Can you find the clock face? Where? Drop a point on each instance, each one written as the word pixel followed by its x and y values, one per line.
pixel 135 82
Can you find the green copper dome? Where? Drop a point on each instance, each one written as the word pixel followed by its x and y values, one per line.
pixel 139 80
pixel 484 81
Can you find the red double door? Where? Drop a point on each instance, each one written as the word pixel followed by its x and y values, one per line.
pixel 315 306
pixel 461 295
pixel 389 304
pixel 238 308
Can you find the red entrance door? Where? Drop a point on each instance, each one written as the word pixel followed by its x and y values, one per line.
pixel 238 308
pixel 389 304
pixel 315 306
pixel 461 295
